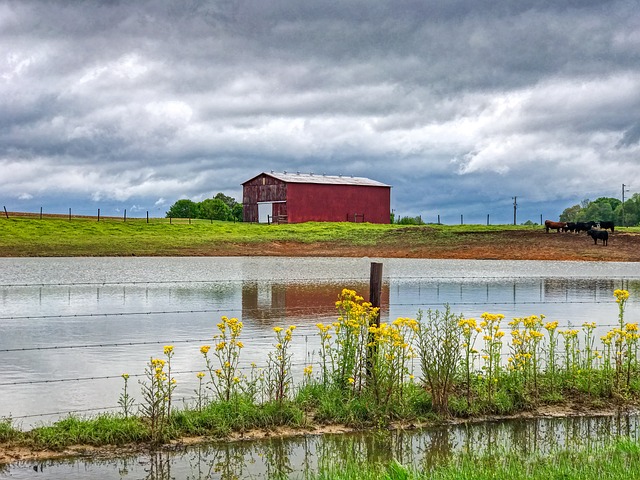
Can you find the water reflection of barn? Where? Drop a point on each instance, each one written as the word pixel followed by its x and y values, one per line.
pixel 279 301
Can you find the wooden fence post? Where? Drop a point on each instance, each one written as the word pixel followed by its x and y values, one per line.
pixel 5 212
pixel 98 214
pixel 40 213
pixel 375 292
pixel 69 213
pixel 375 287
pixel 125 214
pixel 147 216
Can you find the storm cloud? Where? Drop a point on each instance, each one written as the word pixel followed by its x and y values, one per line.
pixel 459 105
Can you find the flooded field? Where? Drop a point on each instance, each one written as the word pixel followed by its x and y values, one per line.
pixel 71 326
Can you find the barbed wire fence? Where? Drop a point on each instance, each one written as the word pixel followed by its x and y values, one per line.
pixel 309 314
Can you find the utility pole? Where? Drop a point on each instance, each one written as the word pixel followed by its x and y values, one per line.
pixel 624 224
pixel 515 207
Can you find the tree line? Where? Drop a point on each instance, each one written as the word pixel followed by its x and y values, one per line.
pixel 220 207
pixel 605 209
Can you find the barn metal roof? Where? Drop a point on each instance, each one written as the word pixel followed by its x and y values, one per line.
pixel 322 179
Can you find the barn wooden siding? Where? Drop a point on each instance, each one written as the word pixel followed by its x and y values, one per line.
pixel 304 198
pixel 337 203
pixel 263 188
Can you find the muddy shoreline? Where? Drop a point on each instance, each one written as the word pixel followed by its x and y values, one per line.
pixel 13 453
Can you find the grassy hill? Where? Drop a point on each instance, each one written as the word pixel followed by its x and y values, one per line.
pixel 85 236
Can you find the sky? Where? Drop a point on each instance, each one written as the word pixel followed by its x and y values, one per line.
pixel 459 105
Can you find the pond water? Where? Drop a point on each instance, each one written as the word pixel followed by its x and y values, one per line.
pixel 71 326
pixel 300 457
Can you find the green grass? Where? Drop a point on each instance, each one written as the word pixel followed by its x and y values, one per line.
pixel 102 430
pixel 620 459
pixel 219 419
pixel 216 420
pixel 30 236
pixel 85 236
pixel 7 432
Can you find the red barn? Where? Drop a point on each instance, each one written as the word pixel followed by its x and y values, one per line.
pixel 308 197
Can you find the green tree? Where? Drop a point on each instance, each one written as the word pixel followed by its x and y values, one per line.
pixel 614 202
pixel 237 212
pixel 604 209
pixel 230 201
pixel 183 208
pixel 234 206
pixel 215 209
pixel 631 211
pixel 601 209
pixel 571 214
pixel 597 211
pixel 633 206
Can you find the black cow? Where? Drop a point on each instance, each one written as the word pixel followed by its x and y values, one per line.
pixel 607 226
pixel 571 227
pixel 584 226
pixel 599 235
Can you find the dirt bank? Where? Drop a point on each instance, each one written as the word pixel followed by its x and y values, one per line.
pixel 423 243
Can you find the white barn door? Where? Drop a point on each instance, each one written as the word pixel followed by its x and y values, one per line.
pixel 265 210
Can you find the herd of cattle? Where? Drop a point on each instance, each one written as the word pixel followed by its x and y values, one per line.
pixel 596 230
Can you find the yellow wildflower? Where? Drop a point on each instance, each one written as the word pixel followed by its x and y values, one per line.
pixel 621 295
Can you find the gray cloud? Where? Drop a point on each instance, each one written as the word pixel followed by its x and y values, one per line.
pixel 631 136
pixel 459 105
